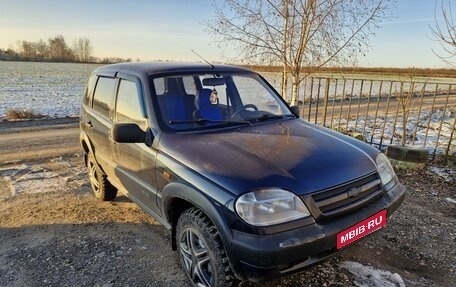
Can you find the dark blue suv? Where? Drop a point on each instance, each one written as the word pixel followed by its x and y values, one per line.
pixel 247 188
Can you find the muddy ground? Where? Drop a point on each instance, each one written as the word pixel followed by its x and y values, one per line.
pixel 53 232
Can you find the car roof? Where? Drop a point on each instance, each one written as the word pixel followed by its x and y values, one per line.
pixel 151 68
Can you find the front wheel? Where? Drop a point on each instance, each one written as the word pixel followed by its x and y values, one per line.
pixel 201 251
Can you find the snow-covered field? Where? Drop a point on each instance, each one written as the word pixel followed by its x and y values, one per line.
pixel 52 89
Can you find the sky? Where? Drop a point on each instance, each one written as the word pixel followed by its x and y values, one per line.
pixel 168 30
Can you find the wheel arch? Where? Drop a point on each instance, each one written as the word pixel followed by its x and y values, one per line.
pixel 178 197
pixel 86 145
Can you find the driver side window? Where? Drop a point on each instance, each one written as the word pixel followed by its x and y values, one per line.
pixel 129 106
pixel 253 92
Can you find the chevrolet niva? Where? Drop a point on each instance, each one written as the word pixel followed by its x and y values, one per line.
pixel 248 189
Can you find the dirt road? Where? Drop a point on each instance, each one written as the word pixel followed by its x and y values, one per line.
pixel 53 232
pixel 36 139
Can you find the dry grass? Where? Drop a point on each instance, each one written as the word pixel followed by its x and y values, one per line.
pixel 15 114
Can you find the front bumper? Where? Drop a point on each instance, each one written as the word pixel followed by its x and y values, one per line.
pixel 259 257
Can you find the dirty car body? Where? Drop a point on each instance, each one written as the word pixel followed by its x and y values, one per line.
pixel 248 189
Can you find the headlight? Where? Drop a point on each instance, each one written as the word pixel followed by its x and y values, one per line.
pixel 270 206
pixel 385 170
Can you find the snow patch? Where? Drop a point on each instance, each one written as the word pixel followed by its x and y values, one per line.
pixel 26 179
pixel 369 276
pixel 447 174
pixel 388 130
pixel 450 200
pixel 8 172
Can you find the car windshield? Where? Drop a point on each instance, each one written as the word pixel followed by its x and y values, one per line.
pixel 200 101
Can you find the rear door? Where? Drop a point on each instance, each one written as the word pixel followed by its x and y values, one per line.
pixel 86 114
pixel 135 162
pixel 100 122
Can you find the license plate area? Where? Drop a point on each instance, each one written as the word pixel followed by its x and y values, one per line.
pixel 361 229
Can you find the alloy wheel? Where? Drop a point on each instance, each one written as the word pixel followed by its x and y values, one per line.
pixel 93 176
pixel 196 259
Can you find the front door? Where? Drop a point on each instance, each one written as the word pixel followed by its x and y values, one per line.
pixel 135 162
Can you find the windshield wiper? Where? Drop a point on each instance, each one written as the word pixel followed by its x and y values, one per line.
pixel 204 122
pixel 271 117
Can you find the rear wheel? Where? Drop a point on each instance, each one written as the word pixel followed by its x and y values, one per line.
pixel 201 251
pixel 101 186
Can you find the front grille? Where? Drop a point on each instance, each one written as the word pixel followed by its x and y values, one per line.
pixel 340 198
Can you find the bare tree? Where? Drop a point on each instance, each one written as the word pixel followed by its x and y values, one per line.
pixel 285 16
pixel 42 50
pixel 406 101
pixel 59 50
pixel 77 49
pixel 444 32
pixel 27 50
pixel 82 50
pixel 87 55
pixel 297 33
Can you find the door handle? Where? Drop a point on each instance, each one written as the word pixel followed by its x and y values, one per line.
pixel 89 124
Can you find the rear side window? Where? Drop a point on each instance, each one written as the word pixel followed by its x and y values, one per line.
pixel 189 85
pixel 185 85
pixel 159 84
pixel 104 94
pixel 89 89
pixel 129 107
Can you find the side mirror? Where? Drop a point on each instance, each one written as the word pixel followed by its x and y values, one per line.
pixel 128 133
pixel 295 110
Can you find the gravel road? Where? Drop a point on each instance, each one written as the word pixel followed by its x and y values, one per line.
pixel 35 139
pixel 53 232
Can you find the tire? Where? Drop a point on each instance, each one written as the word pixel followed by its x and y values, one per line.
pixel 101 186
pixel 198 240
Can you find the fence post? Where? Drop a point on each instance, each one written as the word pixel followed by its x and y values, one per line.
pixel 310 98
pixel 318 100
pixel 441 122
pixel 451 139
pixel 350 103
pixel 386 113
pixel 376 111
pixel 341 104
pixel 397 112
pixel 326 101
pixel 368 106
pixel 304 99
pixel 430 115
pixel 333 104
pixel 419 113
pixel 359 104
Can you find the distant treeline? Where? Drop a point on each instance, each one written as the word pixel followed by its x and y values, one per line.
pixel 408 72
pixel 56 50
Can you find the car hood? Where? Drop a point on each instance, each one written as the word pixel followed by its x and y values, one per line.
pixel 292 154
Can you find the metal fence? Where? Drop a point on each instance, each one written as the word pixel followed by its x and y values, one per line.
pixel 417 112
